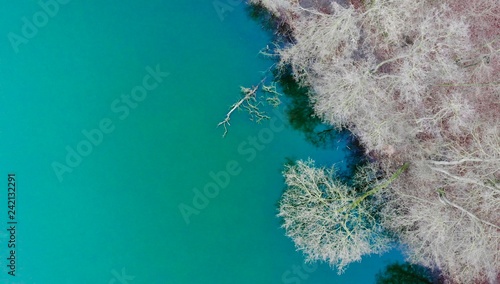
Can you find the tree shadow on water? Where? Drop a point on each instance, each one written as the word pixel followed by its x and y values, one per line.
pixel 299 109
pixel 301 117
pixel 298 106
pixel 301 113
pixel 278 27
pixel 406 273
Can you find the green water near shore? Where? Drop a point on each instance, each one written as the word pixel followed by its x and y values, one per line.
pixel 114 217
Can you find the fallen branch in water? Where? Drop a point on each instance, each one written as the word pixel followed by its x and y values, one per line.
pixel 249 102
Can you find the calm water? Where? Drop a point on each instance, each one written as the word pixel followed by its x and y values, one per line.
pixel 112 216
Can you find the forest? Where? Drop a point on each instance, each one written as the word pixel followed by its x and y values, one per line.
pixel 417 83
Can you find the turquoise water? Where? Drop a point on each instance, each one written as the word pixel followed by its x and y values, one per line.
pixel 112 215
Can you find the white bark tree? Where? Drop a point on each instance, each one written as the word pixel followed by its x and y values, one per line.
pixel 330 221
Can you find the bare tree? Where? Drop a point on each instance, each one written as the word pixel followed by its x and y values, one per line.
pixel 328 220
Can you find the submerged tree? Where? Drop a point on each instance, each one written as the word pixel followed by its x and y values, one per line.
pixel 331 221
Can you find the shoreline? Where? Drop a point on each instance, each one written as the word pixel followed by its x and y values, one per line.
pixel 393 74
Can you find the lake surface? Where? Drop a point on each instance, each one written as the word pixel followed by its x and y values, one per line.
pixel 107 148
